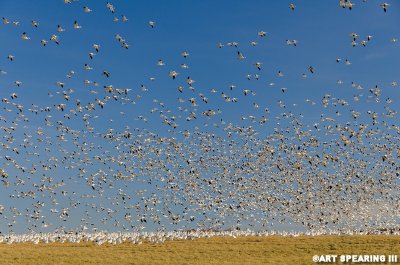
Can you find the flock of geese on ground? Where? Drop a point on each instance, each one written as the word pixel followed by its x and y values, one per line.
pixel 199 171
pixel 138 238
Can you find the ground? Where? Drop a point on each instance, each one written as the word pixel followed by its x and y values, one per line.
pixel 218 250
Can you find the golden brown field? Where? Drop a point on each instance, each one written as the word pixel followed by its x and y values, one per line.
pixel 217 250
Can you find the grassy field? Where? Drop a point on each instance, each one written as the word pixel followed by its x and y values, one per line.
pixel 218 250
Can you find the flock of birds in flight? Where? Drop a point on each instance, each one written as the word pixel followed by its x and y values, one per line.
pixel 59 167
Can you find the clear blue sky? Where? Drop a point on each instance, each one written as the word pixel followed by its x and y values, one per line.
pixel 321 28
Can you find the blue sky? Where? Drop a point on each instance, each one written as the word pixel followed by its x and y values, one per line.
pixel 321 28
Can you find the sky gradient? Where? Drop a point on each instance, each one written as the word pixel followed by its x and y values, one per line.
pixel 321 29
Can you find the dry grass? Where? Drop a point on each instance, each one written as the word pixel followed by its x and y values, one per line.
pixel 219 250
